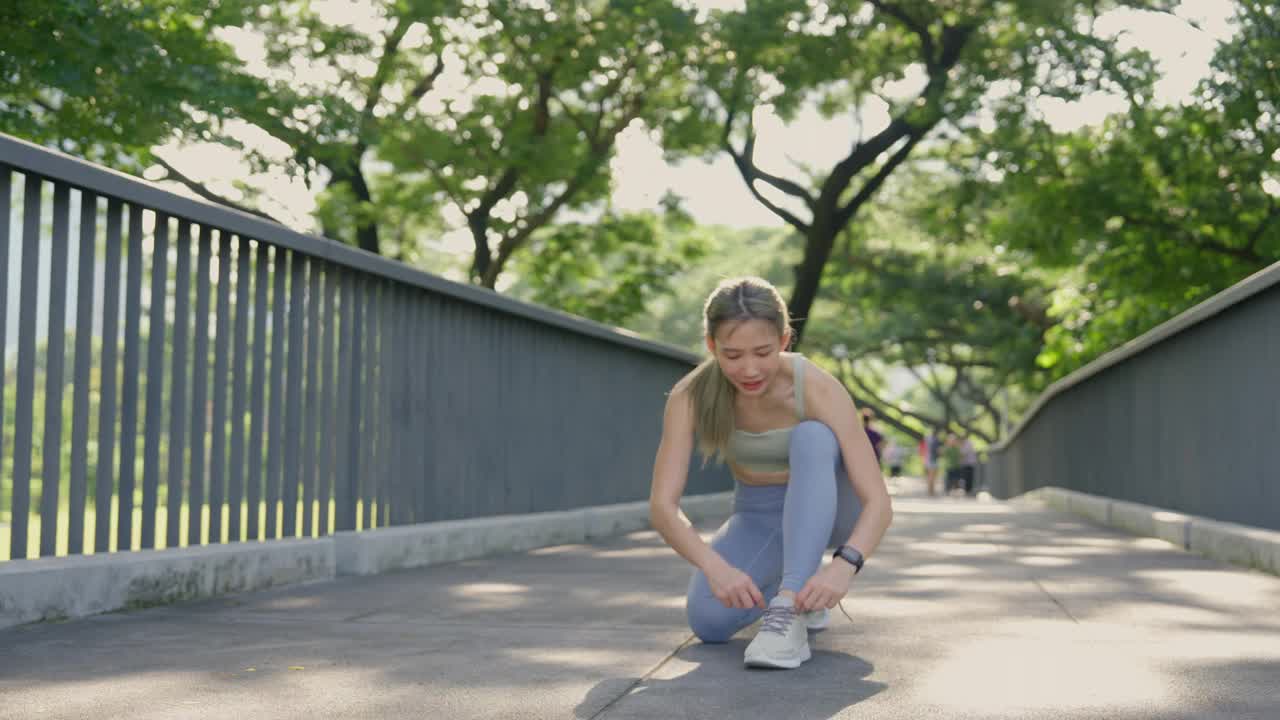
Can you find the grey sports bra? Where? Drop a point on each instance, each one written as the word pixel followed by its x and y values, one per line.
pixel 768 451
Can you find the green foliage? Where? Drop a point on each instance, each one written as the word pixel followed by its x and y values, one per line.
pixel 550 91
pixel 967 318
pixel 957 58
pixel 1146 215
pixel 491 117
pixel 676 317
pixel 608 270
pixel 106 81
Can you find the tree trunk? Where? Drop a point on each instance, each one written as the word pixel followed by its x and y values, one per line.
pixel 483 256
pixel 349 174
pixel 366 226
pixel 819 241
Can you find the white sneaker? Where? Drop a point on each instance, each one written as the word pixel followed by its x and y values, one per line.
pixel 782 641
pixel 817 619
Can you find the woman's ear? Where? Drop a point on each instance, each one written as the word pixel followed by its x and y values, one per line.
pixel 786 339
pixel 711 344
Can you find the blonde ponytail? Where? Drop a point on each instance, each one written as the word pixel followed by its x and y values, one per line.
pixel 712 395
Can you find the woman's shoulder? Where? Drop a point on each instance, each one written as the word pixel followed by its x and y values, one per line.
pixel 795 362
pixel 799 363
pixel 819 384
pixel 682 385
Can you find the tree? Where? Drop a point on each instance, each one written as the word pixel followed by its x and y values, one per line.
pixel 1150 213
pixel 608 270
pixel 551 90
pixel 72 72
pixel 502 116
pixel 784 54
pixel 933 299
pixel 675 317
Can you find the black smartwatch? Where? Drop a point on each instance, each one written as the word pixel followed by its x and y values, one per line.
pixel 851 555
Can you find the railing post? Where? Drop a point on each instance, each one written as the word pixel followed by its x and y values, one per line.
pixel 25 399
pixel 83 366
pixel 6 189
pixel 55 356
pixel 346 482
pixel 107 410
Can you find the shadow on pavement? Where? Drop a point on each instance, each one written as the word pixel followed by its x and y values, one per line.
pixel 709 681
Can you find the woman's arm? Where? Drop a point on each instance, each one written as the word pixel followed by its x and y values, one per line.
pixel 730 585
pixel 670 473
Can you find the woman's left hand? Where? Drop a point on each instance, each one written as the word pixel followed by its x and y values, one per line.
pixel 827 586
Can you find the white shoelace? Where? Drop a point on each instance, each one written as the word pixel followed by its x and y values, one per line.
pixel 778 619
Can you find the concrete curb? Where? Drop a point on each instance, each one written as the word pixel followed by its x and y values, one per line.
pixel 400 548
pixel 79 586
pixel 1242 545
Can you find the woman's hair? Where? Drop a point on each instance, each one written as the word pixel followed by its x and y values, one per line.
pixel 734 300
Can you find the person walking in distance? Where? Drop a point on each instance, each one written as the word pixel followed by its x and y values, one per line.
pixel 931 445
pixel 968 465
pixel 868 423
pixel 893 456
pixel 806 479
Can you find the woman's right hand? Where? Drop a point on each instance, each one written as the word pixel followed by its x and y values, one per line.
pixel 734 588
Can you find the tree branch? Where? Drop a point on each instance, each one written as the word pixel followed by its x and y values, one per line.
pixel 880 405
pixel 750 173
pixel 389 51
pixel 449 188
pixel 935 389
pixel 513 241
pixel 1273 211
pixel 861 155
pixel 574 117
pixel 1197 240
pixel 920 29
pixel 981 398
pixel 787 186
pixel 611 90
pixel 478 219
pixel 422 88
pixel 174 174
pixel 844 214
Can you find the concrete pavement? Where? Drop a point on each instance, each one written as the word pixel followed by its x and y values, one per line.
pixel 971 609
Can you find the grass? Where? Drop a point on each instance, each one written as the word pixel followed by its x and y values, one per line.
pixel 162 525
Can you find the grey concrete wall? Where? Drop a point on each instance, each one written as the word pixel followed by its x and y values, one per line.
pixel 1185 417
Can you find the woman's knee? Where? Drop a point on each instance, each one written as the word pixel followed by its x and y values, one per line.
pixel 812 441
pixel 813 436
pixel 711 621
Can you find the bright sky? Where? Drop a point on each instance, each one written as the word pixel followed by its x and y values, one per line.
pixel 714 192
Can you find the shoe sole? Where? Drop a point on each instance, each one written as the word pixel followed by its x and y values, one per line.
pixel 779 663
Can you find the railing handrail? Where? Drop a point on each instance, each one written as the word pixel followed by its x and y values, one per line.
pixel 55 165
pixel 1234 295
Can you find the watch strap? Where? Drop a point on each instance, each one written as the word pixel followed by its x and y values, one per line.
pixel 851 555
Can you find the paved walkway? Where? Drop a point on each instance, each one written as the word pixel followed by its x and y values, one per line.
pixel 972 609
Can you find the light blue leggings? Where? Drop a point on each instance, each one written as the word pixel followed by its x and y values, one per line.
pixel 778 533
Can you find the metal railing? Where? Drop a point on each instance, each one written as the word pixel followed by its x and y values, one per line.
pixel 1185 417
pixel 183 374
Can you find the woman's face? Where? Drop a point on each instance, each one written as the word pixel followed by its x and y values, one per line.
pixel 749 354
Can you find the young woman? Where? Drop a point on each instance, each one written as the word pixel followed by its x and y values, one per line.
pixel 804 470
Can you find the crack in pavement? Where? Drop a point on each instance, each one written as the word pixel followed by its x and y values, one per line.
pixel 640 680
